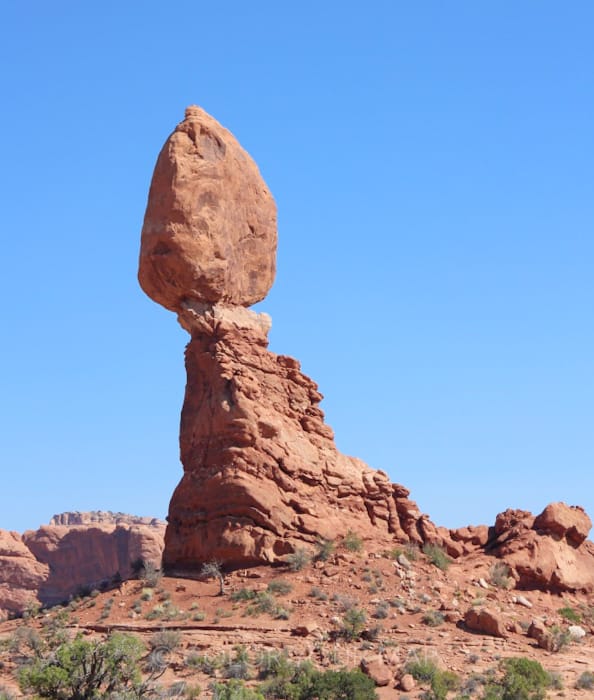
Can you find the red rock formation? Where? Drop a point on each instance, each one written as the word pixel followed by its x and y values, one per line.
pixel 262 474
pixel 209 232
pixel 548 551
pixel 50 564
pixel 21 575
pixel 89 555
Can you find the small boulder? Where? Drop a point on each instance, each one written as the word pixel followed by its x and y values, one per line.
pixel 377 670
pixel 407 683
pixel 485 621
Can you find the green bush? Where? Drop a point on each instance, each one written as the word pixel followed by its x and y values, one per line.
pixel 570 614
pixel 86 670
pixel 280 587
pixel 235 690
pixel 421 667
pixel 304 682
pixel 353 624
pixel 352 542
pixel 523 679
pixel 437 556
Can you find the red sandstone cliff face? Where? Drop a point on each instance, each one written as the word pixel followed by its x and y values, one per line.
pixel 50 564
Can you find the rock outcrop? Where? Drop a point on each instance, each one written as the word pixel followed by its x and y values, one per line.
pixel 21 575
pixel 89 556
pixel 262 476
pixel 549 551
pixel 58 560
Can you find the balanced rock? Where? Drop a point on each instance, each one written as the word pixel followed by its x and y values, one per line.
pixel 262 475
pixel 209 232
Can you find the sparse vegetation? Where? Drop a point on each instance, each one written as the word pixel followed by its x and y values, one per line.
pixel 433 618
pixel 382 610
pixel 214 569
pixel 280 587
pixel 298 559
pixel 353 624
pixel 523 679
pixel 84 670
pixel 318 593
pixel 585 681
pixel 436 555
pixel 352 542
pixel 570 614
pixel 499 575
pixel 324 549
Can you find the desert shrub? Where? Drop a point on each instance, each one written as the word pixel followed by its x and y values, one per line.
pixel 282 613
pixel 85 670
pixel 324 549
pixel 168 640
pixel 499 575
pixel 352 542
pixel 107 606
pixel 214 569
pixel 382 610
pixel 353 624
pixel 243 594
pixel 298 559
pixel 6 694
pixel 239 665
pixel 263 603
pixel 344 602
pixel 26 641
pixel 421 667
pixel 585 681
pixel 304 682
pixel 441 684
pixel 433 618
pixel 318 593
pixel 570 614
pixel 235 690
pixel 147 594
pixel 280 587
pixel 523 679
pixel 437 556
pixel 149 574
pixel 206 664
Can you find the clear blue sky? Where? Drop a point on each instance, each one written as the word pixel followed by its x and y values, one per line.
pixel 432 163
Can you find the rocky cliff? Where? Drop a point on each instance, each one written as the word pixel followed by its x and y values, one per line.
pixel 48 565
